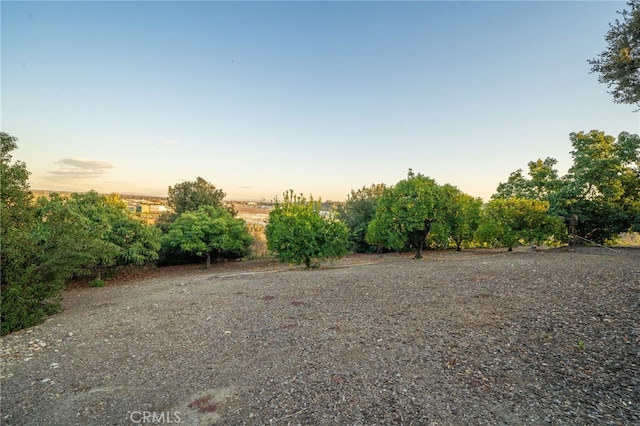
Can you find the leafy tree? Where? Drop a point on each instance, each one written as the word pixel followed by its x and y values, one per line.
pixel 68 240
pixel 124 239
pixel 89 233
pixel 405 214
pixel 299 233
pixel 510 221
pixel 209 232
pixel 603 185
pixel 543 181
pixel 357 212
pixel 189 196
pixel 26 294
pixel 619 65
pixel 460 217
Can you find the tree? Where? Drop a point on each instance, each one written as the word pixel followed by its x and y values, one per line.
pixel 619 65
pixel 209 232
pixel 26 296
pixel 299 233
pixel 189 196
pixel 89 233
pixel 603 185
pixel 405 213
pixel 460 217
pixel 70 243
pixel 543 181
pixel 510 221
pixel 123 239
pixel 357 212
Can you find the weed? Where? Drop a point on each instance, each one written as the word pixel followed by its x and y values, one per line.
pixel 97 283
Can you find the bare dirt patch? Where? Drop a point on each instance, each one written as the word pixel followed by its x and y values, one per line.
pixel 482 337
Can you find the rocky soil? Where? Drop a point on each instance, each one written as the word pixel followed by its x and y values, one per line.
pixel 480 337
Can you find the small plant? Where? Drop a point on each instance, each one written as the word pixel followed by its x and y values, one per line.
pixel 97 283
pixel 581 345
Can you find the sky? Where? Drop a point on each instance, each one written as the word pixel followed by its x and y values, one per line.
pixel 319 97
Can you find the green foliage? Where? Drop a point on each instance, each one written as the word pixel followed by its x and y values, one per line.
pixel 26 296
pixel 105 234
pixel 190 196
pixel 357 212
pixel 405 214
pixel 512 221
pixel 209 232
pixel 183 197
pixel 602 187
pixel 97 283
pixel 298 232
pixel 542 182
pixel 460 217
pixel 619 65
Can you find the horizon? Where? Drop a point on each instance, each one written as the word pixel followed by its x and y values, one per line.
pixel 322 98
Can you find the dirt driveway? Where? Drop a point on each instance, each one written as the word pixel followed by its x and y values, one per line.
pixel 456 338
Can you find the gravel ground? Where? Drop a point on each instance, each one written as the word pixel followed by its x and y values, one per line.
pixel 478 337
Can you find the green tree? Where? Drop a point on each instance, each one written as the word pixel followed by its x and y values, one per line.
pixel 357 212
pixel 460 217
pixel 209 232
pixel 27 295
pixel 191 195
pixel 542 183
pixel 405 214
pixel 603 185
pixel 512 221
pixel 67 239
pixel 619 65
pixel 123 238
pixel 299 233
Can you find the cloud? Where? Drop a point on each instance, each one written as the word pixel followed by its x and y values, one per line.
pixel 75 169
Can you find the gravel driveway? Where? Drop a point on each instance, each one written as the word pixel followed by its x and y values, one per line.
pixel 480 337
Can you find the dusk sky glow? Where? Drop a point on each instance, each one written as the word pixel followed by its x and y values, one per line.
pixel 319 97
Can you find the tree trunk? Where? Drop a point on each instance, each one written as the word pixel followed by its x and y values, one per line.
pixel 208 260
pixel 423 239
pixel 419 252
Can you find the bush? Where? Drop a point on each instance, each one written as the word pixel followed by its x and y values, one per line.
pixel 298 233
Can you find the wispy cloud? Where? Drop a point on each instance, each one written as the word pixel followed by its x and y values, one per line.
pixel 76 169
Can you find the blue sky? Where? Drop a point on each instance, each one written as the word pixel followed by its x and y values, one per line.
pixel 319 97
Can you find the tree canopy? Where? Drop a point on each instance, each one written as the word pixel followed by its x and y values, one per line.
pixel 357 211
pixel 619 65
pixel 460 217
pixel 405 213
pixel 511 221
pixel 191 195
pixel 209 232
pixel 298 232
pixel 543 181
pixel 602 186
